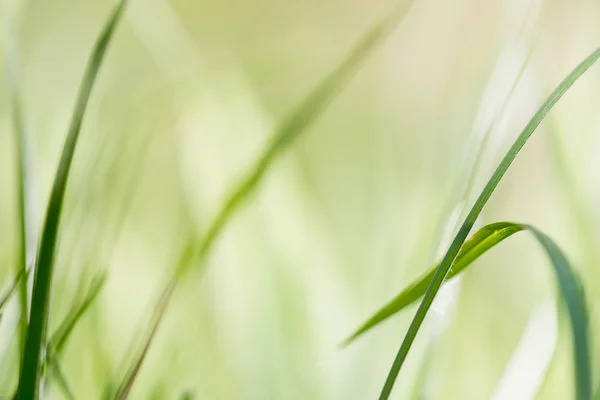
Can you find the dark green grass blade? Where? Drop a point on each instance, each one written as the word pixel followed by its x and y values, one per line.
pixel 286 133
pixel 572 292
pixel 486 238
pixel 25 201
pixel 29 377
pixel 132 373
pixel 464 230
pixel 297 123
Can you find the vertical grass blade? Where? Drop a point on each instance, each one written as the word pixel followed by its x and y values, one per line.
pixel 25 201
pixel 30 374
pixel 463 232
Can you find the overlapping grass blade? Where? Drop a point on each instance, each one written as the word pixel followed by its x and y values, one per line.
pixel 467 225
pixel 60 337
pixel 286 133
pixel 29 377
pixel 486 238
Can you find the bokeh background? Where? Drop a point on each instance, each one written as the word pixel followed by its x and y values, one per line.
pixel 362 204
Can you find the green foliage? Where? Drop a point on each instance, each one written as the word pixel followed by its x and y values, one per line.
pixel 467 225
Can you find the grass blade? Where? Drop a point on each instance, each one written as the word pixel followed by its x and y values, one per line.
pixel 29 377
pixel 25 201
pixel 297 122
pixel 286 133
pixel 132 373
pixel 59 339
pixel 486 238
pixel 467 225
pixel 481 242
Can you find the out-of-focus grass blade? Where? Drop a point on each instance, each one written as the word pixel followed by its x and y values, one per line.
pixel 486 238
pixel 61 379
pixel 289 130
pixel 298 121
pixel 132 372
pixel 59 339
pixel 25 202
pixel 467 225
pixel 11 289
pixel 29 378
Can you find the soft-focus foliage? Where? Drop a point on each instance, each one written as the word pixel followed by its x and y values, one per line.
pixel 361 205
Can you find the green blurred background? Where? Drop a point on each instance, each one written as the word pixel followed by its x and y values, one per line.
pixel 362 204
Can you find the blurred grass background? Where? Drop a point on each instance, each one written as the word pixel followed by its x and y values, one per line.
pixel 188 95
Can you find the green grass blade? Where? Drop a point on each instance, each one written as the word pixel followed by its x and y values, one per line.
pixel 61 379
pixel 29 377
pixel 297 123
pixel 569 286
pixel 132 373
pixel 571 290
pixel 467 225
pixel 59 339
pixel 25 200
pixel 12 289
pixel 486 238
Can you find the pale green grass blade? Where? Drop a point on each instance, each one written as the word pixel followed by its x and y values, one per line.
pixel 29 378
pixel 25 201
pixel 61 379
pixel 132 373
pixel 60 337
pixel 467 225
pixel 486 238
pixel 297 122
pixel 12 289
pixel 286 133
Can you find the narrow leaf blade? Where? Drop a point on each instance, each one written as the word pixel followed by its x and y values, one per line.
pixel 30 375
pixel 486 238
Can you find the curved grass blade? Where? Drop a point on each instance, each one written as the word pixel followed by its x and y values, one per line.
pixel 286 133
pixel 29 377
pixel 569 286
pixel 467 225
pixel 486 238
